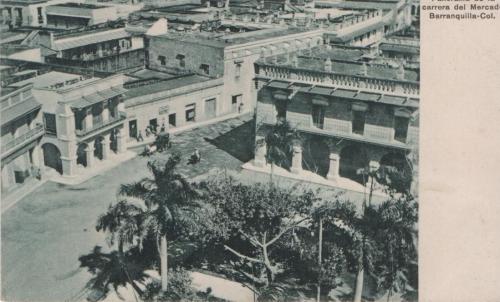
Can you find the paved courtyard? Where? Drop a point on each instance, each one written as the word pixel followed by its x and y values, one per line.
pixel 44 233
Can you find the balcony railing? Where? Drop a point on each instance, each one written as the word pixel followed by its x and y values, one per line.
pixel 112 121
pixel 23 139
pixel 403 88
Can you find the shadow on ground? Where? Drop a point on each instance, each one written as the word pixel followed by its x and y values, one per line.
pixel 237 142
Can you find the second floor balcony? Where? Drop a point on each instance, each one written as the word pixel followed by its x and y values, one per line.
pixel 22 140
pixel 101 125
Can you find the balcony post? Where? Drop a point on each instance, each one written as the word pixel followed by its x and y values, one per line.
pixel 120 141
pixel 106 146
pixel 88 119
pixel 296 160
pixel 333 170
pixel 105 112
pixel 89 154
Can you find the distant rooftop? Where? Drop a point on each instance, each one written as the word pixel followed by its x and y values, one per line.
pixel 344 61
pixel 163 85
pixel 80 5
pixel 55 80
pixel 218 39
pixel 22 2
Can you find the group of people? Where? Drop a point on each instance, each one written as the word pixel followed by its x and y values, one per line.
pixel 150 130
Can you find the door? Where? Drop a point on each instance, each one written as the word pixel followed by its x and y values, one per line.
pixel 154 124
pixel 132 128
pixel 235 101
pixel 171 120
pixel 210 108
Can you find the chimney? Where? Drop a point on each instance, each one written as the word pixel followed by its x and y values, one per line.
pixel 328 65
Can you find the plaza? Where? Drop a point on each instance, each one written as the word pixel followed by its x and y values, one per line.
pixel 44 233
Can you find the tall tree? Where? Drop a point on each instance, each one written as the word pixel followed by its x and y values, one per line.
pixel 280 141
pixel 169 199
pixel 253 221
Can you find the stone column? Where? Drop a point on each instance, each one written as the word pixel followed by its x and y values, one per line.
pixel 105 112
pixel 68 165
pixel 106 150
pixel 35 156
pixel 89 154
pixel 333 170
pixel 297 160
pixel 260 153
pixel 89 122
pixel 120 141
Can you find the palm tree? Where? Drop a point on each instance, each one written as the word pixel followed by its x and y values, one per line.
pixel 122 222
pixel 168 199
pixel 280 141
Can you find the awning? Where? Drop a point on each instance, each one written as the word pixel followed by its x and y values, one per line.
pixel 94 98
pixel 279 84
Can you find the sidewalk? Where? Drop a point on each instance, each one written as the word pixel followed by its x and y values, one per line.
pixel 84 174
pixel 19 193
pixel 172 131
pixel 310 177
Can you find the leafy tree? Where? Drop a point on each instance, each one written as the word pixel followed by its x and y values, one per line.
pixel 252 223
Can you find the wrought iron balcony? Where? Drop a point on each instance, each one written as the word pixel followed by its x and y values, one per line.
pixel 102 125
pixel 22 140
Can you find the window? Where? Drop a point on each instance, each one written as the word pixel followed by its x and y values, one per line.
pixel 318 115
pixel 205 68
pixel 237 71
pixel 181 58
pixel 40 16
pixel 358 122
pixel 190 113
pixel 49 120
pixel 163 60
pixel 281 107
pixel 400 128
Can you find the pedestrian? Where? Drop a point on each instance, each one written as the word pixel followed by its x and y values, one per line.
pixel 197 155
pixel 148 132
pixel 162 127
pixel 240 107
pixel 139 137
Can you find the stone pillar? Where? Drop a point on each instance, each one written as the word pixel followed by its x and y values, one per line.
pixel 5 178
pixel 333 170
pixel 89 154
pixel 297 160
pixel 120 141
pixel 105 112
pixel 89 122
pixel 106 147
pixel 260 153
pixel 68 165
pixel 35 156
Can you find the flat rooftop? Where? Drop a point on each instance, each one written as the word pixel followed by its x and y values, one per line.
pixel 55 80
pixel 164 85
pixel 80 5
pixel 220 39
pixel 344 61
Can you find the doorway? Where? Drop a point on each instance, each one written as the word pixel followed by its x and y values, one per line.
pixel 132 129
pixel 171 120
pixel 210 108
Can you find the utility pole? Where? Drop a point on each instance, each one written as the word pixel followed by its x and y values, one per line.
pixel 320 248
